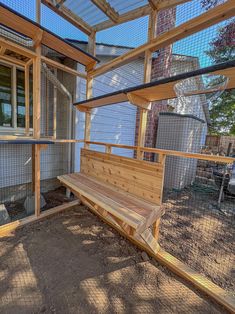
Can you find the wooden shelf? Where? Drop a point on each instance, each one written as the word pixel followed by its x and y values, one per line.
pixel 21 24
pixel 26 141
pixel 160 90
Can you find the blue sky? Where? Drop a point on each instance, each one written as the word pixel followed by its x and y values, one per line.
pixel 130 34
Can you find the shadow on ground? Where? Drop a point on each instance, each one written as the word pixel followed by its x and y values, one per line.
pixel 73 263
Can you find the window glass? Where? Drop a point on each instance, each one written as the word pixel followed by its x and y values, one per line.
pixel 5 96
pixel 20 98
pixel 20 79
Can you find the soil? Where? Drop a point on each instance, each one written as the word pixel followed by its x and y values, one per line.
pixel 200 234
pixel 74 263
pixel 53 198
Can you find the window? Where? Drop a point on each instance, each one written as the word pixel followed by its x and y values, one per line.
pixel 5 96
pixel 12 97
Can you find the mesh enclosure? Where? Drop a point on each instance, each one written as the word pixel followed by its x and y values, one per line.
pixel 197 228
pixel 56 160
pixel 15 181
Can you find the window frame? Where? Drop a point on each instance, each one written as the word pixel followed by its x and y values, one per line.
pixel 4 130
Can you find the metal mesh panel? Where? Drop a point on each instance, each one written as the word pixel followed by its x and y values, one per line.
pixel 56 160
pixel 15 181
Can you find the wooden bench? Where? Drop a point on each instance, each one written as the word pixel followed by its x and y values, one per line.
pixel 125 190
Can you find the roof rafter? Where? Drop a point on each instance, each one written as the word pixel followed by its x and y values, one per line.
pixel 166 4
pixel 106 8
pixel 67 14
pixel 196 24
pixel 123 18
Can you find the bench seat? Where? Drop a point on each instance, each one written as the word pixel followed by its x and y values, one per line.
pixel 135 212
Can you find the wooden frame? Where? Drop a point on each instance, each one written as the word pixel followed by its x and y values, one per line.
pixel 20 24
pixel 138 97
pixel 203 21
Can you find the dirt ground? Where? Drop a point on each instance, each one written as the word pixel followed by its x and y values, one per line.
pixel 194 230
pixel 53 198
pixel 74 263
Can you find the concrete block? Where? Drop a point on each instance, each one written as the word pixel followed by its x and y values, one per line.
pixel 29 204
pixel 4 216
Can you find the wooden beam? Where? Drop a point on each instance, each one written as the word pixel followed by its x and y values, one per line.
pixel 89 85
pixel 92 44
pixel 38 11
pixel 87 133
pixel 2 50
pixel 38 38
pixel 36 179
pixel 165 4
pixel 13 60
pixel 168 152
pixel 37 94
pixel 69 16
pixel 7 44
pixel 55 94
pixel 106 8
pixel 7 229
pixel 123 18
pixel 203 21
pixel 152 28
pixel 62 67
pixel 20 24
pixel 139 101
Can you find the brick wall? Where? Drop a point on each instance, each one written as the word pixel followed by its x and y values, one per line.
pixel 161 64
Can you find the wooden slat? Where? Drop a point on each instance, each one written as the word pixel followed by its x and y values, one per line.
pixel 203 21
pixel 165 4
pixel 142 207
pixel 133 219
pixel 123 18
pixel 69 16
pixel 62 67
pixel 12 226
pixel 130 163
pixel 131 211
pixel 107 168
pixel 106 8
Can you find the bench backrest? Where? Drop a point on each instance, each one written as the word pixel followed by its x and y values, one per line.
pixel 137 177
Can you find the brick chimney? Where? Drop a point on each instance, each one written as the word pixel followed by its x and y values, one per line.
pixel 161 64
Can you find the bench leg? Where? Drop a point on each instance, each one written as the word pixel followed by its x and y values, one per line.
pixel 156 227
pixel 147 236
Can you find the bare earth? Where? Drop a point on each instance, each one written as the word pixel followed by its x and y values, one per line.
pixel 74 263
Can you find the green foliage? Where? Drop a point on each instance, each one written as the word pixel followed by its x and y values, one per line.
pixel 222 49
pixel 222 114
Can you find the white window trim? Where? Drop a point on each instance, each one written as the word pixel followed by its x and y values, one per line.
pixel 13 130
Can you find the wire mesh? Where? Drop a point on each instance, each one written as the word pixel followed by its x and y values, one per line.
pixel 15 181
pixel 56 160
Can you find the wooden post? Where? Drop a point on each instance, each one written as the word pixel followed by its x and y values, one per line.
pixel 89 84
pixel 37 93
pixel 37 116
pixel 38 11
pixel 54 108
pixel 108 149
pixel 156 225
pixel 152 26
pixel 36 176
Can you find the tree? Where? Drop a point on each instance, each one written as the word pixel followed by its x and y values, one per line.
pixel 222 49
